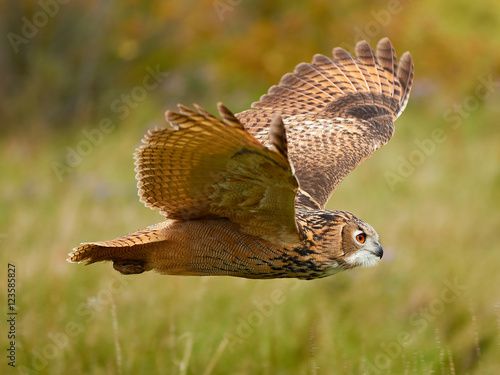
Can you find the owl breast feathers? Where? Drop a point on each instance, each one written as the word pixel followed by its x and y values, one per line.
pixel 244 195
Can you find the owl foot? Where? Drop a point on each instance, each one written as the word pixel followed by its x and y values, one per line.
pixel 130 266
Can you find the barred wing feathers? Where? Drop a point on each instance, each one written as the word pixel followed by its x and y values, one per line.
pixel 207 168
pixel 336 112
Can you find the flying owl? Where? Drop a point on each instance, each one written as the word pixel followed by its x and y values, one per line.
pixel 244 195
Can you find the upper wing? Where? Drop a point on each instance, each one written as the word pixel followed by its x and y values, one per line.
pixel 210 168
pixel 337 112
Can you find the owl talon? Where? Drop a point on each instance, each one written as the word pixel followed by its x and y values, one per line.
pixel 129 267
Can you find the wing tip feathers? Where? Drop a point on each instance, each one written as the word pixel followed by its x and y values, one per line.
pixel 277 135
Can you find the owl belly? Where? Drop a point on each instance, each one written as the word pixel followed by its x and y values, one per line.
pixel 218 247
pixel 213 247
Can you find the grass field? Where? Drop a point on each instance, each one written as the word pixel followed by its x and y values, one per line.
pixel 431 306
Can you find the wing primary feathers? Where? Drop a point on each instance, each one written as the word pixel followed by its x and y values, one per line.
pixel 366 55
pixel 386 56
pixel 228 117
pixel 348 62
pixel 286 94
pixel 405 76
pixel 277 135
pixel 291 79
pixel 186 111
pixel 320 61
pixel 204 112
pixel 320 72
pixel 174 118
pixel 337 112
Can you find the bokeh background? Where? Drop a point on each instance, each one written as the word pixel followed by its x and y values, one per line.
pixel 82 81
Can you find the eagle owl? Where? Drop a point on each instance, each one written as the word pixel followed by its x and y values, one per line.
pixel 244 195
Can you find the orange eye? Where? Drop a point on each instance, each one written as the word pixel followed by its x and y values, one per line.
pixel 361 238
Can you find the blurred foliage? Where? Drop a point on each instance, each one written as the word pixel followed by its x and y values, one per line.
pixel 76 58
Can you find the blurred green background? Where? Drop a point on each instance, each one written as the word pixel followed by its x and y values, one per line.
pixel 83 81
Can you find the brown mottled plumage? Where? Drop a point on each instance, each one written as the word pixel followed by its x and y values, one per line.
pixel 245 195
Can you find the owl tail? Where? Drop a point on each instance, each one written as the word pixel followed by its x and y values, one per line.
pixel 130 253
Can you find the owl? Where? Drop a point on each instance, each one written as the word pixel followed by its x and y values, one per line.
pixel 244 195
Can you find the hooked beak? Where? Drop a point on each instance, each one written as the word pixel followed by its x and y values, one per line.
pixel 379 252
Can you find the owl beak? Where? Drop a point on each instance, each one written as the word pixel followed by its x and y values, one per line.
pixel 380 251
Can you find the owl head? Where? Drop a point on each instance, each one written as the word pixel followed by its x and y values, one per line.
pixel 350 241
pixel 360 244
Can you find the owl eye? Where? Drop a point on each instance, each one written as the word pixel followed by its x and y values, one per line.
pixel 361 238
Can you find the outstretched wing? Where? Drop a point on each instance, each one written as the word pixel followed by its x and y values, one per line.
pixel 207 168
pixel 337 112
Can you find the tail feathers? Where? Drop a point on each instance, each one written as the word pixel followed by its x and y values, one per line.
pixel 130 253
